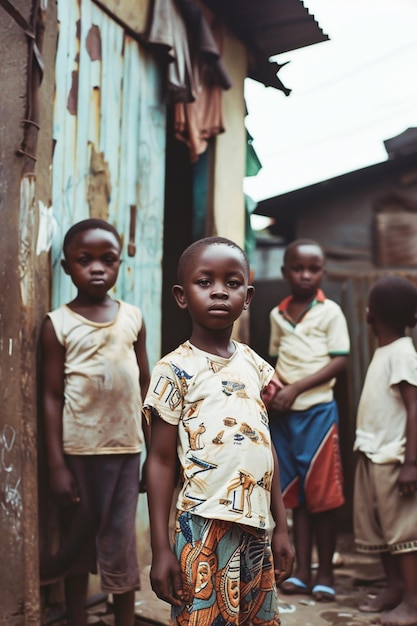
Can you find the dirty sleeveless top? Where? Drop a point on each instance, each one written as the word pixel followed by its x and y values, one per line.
pixel 102 405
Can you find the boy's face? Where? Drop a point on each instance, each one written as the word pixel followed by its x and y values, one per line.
pixel 93 262
pixel 304 270
pixel 215 286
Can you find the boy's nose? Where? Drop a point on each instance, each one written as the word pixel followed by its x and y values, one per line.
pixel 219 292
pixel 97 268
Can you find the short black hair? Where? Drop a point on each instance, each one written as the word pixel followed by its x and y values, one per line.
pixel 88 224
pixel 204 243
pixel 297 243
pixel 393 301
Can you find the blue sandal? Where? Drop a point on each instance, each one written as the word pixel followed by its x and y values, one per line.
pixel 323 593
pixel 294 585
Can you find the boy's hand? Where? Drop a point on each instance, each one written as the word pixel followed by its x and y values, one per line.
pixel 285 398
pixel 166 579
pixel 63 487
pixel 283 554
pixel 270 391
pixel 407 480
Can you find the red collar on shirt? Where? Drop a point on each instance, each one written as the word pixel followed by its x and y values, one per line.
pixel 320 297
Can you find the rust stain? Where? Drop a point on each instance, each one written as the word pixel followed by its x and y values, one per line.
pixel 72 102
pixel 99 185
pixel 131 248
pixel 93 43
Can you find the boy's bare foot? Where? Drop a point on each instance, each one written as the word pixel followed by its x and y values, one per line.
pixel 404 614
pixel 385 601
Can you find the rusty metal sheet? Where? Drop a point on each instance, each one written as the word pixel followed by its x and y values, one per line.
pixel 109 156
pixel 132 13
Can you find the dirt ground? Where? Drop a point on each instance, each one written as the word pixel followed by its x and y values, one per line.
pixel 356 578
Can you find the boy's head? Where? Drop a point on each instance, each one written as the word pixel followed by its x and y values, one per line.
pixel 393 302
pixel 92 250
pixel 303 267
pixel 213 276
pixel 195 248
pixel 88 224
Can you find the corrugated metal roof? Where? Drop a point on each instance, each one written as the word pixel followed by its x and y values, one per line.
pixel 269 27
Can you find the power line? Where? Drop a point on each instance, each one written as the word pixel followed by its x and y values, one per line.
pixel 356 130
pixel 360 68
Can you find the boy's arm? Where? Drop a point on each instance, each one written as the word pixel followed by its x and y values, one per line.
pixel 407 481
pixel 53 361
pixel 144 378
pixel 165 573
pixel 286 396
pixel 282 549
pixel 144 374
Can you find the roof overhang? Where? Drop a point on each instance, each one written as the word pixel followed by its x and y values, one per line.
pixel 268 28
pixel 405 167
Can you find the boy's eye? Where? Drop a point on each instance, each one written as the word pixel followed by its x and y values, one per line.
pixel 233 283
pixel 83 260
pixel 204 282
pixel 110 260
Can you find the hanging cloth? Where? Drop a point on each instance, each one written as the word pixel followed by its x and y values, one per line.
pixel 167 36
pixel 196 122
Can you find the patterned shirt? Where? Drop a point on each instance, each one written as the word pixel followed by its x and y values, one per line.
pixel 224 444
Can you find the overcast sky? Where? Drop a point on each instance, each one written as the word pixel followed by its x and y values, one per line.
pixel 348 95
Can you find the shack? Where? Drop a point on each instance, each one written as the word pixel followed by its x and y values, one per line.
pixel 98 107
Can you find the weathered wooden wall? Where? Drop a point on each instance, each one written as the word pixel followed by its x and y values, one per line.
pixel 25 159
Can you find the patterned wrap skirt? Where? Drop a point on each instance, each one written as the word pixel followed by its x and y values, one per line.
pixel 228 574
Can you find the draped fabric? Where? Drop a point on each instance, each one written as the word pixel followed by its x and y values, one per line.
pixel 189 45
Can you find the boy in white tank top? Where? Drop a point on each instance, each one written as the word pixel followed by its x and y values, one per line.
pixel 95 374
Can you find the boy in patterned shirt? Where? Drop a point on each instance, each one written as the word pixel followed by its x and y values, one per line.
pixel 231 546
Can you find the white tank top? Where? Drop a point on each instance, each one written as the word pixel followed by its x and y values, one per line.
pixel 102 406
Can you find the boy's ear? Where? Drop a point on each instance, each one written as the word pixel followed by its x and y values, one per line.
pixel 249 295
pixel 64 266
pixel 369 316
pixel 178 293
pixel 413 321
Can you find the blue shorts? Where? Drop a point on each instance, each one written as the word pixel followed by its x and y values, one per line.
pixel 307 445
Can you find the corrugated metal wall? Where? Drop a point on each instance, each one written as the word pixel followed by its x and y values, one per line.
pixel 109 155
